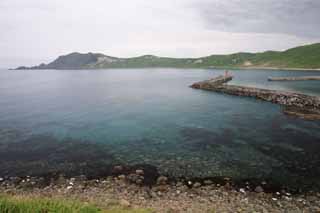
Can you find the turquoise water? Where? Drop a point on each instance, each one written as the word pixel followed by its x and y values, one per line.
pixel 151 116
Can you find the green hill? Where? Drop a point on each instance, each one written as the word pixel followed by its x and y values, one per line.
pixel 303 57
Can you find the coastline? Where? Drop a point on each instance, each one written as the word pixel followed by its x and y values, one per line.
pixel 163 196
pixel 298 58
pixel 172 67
pixel 203 194
pixel 269 68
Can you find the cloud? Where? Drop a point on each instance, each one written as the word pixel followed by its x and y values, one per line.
pixel 293 17
pixel 35 31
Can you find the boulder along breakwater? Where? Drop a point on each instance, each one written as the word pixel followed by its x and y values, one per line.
pixel 296 104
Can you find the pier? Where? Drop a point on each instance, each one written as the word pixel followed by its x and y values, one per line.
pixel 297 104
pixel 212 82
pixel 298 78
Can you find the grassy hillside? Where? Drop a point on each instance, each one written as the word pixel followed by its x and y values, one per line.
pixel 304 57
pixel 74 61
pixel 142 61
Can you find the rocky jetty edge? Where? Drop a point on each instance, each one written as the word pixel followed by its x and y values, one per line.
pixel 295 104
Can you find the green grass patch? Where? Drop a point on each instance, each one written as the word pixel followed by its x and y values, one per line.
pixel 22 204
pixel 121 210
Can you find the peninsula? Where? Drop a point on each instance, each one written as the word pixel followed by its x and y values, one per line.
pixel 303 57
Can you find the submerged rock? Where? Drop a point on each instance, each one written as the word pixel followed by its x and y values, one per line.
pixel 258 189
pixel 197 185
pixel 139 172
pixel 134 178
pixel 208 182
pixel 117 169
pixel 61 180
pixel 162 180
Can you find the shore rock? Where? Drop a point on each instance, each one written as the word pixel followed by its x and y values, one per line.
pixel 124 203
pixel 139 172
pixel 258 189
pixel 162 180
pixel 197 185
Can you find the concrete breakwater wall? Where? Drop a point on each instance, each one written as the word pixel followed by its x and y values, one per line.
pixel 213 82
pixel 298 78
pixel 308 104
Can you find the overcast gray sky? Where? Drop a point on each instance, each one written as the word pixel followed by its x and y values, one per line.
pixel 35 31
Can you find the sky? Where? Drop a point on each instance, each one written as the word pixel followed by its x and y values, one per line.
pixel 36 31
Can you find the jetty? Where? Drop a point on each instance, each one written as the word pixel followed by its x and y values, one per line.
pixel 297 78
pixel 212 82
pixel 301 105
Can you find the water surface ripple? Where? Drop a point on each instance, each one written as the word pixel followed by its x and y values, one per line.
pixel 85 121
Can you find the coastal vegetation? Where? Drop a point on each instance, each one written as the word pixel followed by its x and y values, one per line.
pixel 302 57
pixel 17 204
pixel 29 204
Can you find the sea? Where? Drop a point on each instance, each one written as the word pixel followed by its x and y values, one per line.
pixel 84 122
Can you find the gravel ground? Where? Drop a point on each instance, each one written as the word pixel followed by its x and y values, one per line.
pixel 163 196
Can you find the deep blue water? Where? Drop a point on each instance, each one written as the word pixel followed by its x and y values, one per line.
pixel 151 116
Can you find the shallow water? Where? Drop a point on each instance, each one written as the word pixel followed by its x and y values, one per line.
pixel 50 118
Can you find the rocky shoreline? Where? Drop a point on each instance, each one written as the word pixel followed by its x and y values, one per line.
pixel 133 190
pixel 144 178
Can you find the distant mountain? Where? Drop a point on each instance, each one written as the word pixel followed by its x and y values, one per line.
pixel 303 57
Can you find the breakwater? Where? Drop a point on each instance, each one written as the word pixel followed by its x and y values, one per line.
pixel 297 78
pixel 213 82
pixel 293 102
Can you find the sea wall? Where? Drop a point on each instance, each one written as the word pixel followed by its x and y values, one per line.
pixel 213 82
pixel 309 104
pixel 297 78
